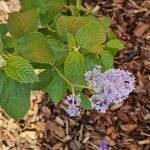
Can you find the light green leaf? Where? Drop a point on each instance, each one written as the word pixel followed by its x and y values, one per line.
pixel 31 4
pixel 14 97
pixel 85 102
pixel 91 36
pixel 45 77
pixel 21 23
pixel 60 50
pixel 20 70
pixel 74 10
pixel 90 61
pixel 74 67
pixel 115 44
pixel 111 35
pixel 106 22
pixel 106 60
pixel 71 24
pixel 34 47
pixel 52 9
pixel 71 41
pixel 57 88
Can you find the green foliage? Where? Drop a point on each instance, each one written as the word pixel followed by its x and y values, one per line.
pixel 21 23
pixel 45 77
pixel 61 40
pixel 91 37
pixel 115 44
pixel 3 29
pixel 20 70
pixel 71 24
pixel 31 4
pixel 34 47
pixel 59 49
pixel 74 67
pixel 85 103
pixel 106 60
pixel 57 88
pixel 14 96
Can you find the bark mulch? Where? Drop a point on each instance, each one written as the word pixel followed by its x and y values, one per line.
pixel 125 126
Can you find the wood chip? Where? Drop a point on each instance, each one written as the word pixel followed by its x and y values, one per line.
pixel 128 127
pixel 140 29
pixel 54 127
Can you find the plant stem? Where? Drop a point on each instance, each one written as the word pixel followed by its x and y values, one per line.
pixel 65 79
pixel 78 4
pixel 82 86
pixel 69 83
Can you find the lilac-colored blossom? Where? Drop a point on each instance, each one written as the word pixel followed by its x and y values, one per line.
pixel 73 103
pixel 112 86
pixel 103 145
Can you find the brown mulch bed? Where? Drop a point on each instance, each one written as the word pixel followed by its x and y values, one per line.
pixel 125 126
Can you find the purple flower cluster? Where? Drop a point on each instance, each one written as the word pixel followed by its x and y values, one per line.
pixel 112 86
pixel 73 103
pixel 103 145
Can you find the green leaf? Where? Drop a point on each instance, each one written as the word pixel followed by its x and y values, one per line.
pixel 1 45
pixel 3 29
pixel 74 67
pixel 31 4
pixel 112 51
pixel 57 88
pixel 21 23
pixel 45 77
pixel 111 35
pixel 71 24
pixel 71 41
pixel 106 60
pixel 106 22
pixel 74 10
pixel 90 60
pixel 115 44
pixel 85 102
pixel 52 9
pixel 34 47
pixel 20 70
pixel 60 50
pixel 91 36
pixel 14 97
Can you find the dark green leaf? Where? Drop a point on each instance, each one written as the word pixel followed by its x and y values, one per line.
pixel 14 97
pixel 34 47
pixel 21 23
pixel 71 24
pixel 45 77
pixel 90 61
pixel 1 45
pixel 106 60
pixel 3 29
pixel 59 49
pixel 85 102
pixel 20 70
pixel 52 9
pixel 115 44
pixel 74 67
pixel 91 36
pixel 57 88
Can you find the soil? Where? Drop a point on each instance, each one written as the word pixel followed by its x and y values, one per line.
pixel 125 126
